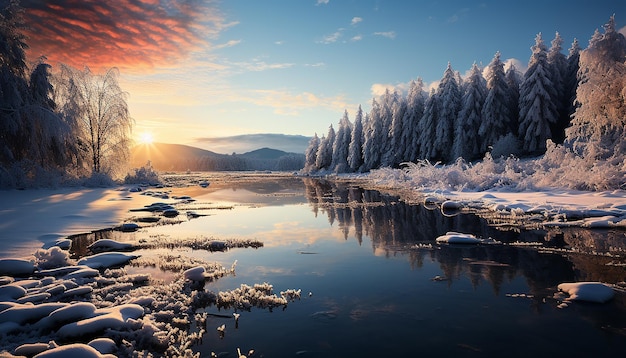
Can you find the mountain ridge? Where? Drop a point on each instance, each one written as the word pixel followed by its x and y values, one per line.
pixel 176 157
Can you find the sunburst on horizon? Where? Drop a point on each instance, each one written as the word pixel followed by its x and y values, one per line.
pixel 146 138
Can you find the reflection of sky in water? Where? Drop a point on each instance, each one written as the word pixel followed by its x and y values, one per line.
pixel 376 298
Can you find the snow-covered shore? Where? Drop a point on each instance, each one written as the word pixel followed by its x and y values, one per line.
pixel 31 219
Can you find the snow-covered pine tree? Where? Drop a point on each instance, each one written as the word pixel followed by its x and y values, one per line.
pixel 373 144
pixel 426 126
pixel 342 142
pixel 598 129
pixel 325 151
pixel 355 150
pixel 310 154
pixel 414 112
pixel 557 66
pixel 387 103
pixel 498 118
pixel 395 148
pixel 571 83
pixel 536 106
pixel 513 81
pixel 466 139
pixel 449 94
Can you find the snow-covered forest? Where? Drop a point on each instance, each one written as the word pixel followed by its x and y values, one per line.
pixel 70 125
pixel 567 113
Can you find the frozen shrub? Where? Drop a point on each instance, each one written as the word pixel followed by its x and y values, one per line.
pixel 145 174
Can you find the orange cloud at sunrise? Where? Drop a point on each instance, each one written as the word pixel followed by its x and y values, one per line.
pixel 126 34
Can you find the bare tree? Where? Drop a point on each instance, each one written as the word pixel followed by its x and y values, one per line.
pixel 100 111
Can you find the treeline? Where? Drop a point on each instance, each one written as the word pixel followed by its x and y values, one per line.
pixel 576 100
pixel 235 162
pixel 63 126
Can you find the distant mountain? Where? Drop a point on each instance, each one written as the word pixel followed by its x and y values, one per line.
pixel 265 154
pixel 179 157
pixel 250 142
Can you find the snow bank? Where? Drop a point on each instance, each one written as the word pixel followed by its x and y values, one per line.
pixel 103 245
pixel 106 260
pixel 16 267
pixel 457 238
pixel 76 350
pixel 587 291
pixel 114 318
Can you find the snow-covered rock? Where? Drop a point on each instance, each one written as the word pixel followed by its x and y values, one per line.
pixel 106 260
pixel 109 245
pixel 195 273
pixel 113 317
pixel 587 291
pixel 76 350
pixel 16 267
pixel 457 238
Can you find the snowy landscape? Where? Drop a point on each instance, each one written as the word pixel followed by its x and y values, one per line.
pixel 508 187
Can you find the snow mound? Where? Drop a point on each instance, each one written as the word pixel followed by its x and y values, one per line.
pixel 587 291
pixel 16 267
pixel 103 245
pixel 457 238
pixel 106 260
pixel 195 274
pixel 114 318
pixel 76 350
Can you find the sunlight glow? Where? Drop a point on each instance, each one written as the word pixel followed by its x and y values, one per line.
pixel 146 138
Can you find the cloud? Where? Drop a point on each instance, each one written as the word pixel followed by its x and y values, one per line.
pixel 387 34
pixel 379 89
pixel 122 33
pixel 332 38
pixel 356 38
pixel 287 103
pixel 322 2
pixel 356 20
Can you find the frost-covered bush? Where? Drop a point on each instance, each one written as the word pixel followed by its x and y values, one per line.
pixel 99 180
pixel 145 174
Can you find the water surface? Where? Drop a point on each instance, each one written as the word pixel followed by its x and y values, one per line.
pixel 375 284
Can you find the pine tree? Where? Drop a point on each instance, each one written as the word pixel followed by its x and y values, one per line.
pixel 558 71
pixel 373 144
pixel 449 94
pixel 513 81
pixel 426 126
pixel 395 148
pixel 537 109
pixel 571 78
pixel 355 150
pixel 466 140
pixel 598 128
pixel 310 154
pixel 325 151
pixel 416 99
pixel 498 117
pixel 342 142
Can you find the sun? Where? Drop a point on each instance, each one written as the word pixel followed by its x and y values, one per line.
pixel 146 138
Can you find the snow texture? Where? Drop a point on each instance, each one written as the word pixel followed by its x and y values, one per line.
pixel 587 291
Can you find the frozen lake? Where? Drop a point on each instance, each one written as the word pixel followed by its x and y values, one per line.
pixel 374 282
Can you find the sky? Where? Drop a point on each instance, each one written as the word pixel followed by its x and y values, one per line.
pixel 207 73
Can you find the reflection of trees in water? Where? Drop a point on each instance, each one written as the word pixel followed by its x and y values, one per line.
pixel 396 227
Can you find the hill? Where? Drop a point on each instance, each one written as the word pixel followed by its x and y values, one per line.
pixel 179 157
pixel 265 154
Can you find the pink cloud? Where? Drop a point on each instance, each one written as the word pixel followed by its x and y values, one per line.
pixel 125 33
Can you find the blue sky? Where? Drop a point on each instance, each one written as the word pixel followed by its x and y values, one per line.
pixel 293 66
